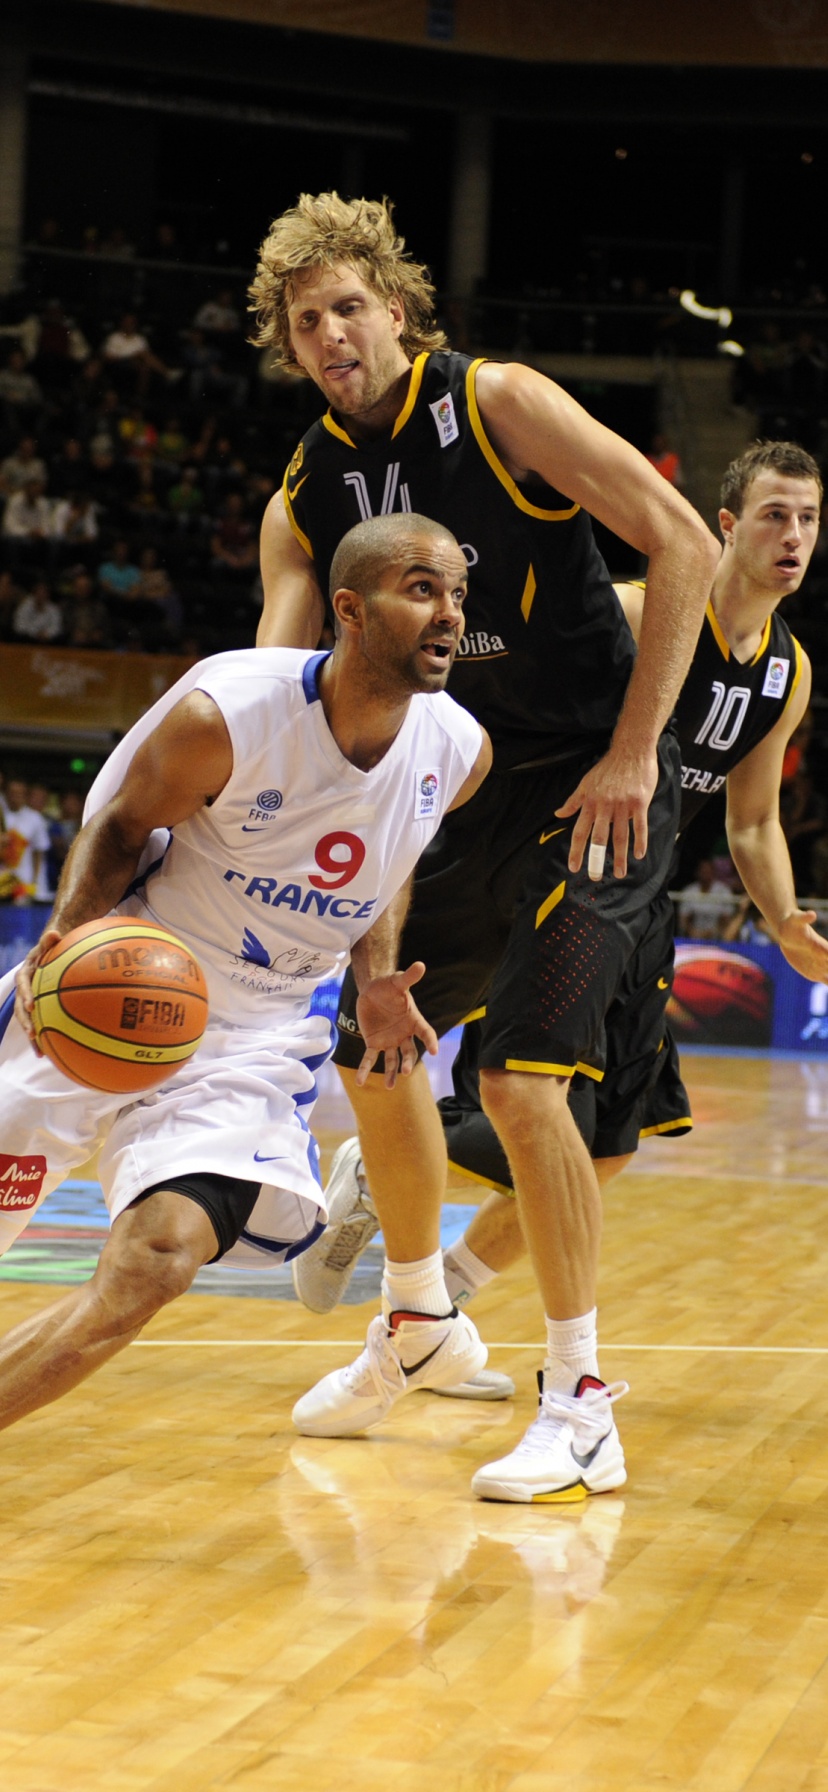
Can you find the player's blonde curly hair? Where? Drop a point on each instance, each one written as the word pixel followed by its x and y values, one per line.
pixel 321 231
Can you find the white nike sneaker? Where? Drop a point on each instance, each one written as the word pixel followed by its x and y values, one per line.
pixel 322 1273
pixel 490 1384
pixel 571 1449
pixel 405 1353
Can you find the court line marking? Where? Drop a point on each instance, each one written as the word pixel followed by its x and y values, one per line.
pixel 707 1175
pixel 359 1343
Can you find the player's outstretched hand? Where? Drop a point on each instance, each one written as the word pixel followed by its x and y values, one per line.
pixel 389 1021
pixel 615 792
pixel 804 949
pixel 23 997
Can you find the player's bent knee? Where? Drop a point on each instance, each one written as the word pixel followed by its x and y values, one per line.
pixel 135 1284
pixel 606 1168
pixel 144 1267
pixel 517 1102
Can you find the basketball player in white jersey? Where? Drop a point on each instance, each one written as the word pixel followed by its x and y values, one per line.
pixel 290 795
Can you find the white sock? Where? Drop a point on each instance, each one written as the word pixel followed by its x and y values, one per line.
pixel 418 1287
pixel 464 1272
pixel 571 1351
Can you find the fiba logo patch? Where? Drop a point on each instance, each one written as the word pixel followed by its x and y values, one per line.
pixel 776 677
pixel 269 799
pixel 427 792
pixel 442 410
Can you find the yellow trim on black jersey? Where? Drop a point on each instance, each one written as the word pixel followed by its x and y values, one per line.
pixel 683 1125
pixel 500 1188
pixel 798 673
pixel 764 641
pixel 337 430
pixel 717 631
pixel 723 643
pixel 476 421
pixel 417 371
pixel 301 537
pixel 528 597
pixel 414 384
pixel 554 1069
pixel 547 906
pixel 476 1014
pixel 540 1069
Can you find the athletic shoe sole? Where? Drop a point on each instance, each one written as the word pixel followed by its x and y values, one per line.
pixel 488 1385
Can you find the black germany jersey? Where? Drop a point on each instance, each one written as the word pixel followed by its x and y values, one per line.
pixel 725 708
pixel 547 653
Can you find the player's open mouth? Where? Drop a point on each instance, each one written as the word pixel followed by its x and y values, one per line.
pixel 439 652
pixel 338 369
pixel 789 564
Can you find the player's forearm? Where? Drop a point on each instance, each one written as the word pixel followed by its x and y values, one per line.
pixel 678 588
pixel 100 865
pixel 376 954
pixel 761 857
pixel 290 619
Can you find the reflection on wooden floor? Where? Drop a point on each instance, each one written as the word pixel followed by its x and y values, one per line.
pixel 194 1597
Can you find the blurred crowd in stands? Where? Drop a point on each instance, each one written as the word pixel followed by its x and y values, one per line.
pixel 714 904
pixel 137 455
pixel 37 827
pixel 141 438
pixel 783 379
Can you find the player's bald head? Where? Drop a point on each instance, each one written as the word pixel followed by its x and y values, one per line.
pixel 369 549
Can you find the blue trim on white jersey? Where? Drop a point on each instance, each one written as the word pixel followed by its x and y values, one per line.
pixel 315 1063
pixel 308 1099
pixel 138 883
pixel 310 676
pixel 283 1248
pixel 6 1013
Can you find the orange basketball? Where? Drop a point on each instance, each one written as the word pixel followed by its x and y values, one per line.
pixel 719 998
pixel 119 1004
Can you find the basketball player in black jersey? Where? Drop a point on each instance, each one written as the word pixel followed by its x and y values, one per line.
pixel 507 912
pixel 745 695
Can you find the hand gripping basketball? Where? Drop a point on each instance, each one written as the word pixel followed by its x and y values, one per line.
pixel 117 1004
pixel 389 1021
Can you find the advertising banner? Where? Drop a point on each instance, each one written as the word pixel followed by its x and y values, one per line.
pixel 745 994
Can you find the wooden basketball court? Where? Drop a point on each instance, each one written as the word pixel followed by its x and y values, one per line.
pixel 195 1597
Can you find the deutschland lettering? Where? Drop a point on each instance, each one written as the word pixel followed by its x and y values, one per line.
pixel 694 779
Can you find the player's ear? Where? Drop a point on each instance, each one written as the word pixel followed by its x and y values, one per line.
pixel 348 607
pixel 727 523
pixel 397 310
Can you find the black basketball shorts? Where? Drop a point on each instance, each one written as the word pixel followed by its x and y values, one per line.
pixel 508 933
pixel 641 1092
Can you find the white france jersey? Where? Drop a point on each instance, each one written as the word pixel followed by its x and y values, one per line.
pixel 273 883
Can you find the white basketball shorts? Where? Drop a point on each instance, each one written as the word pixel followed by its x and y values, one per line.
pixel 240 1107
